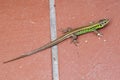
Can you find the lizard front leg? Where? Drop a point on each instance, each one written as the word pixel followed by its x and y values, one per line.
pixel 98 33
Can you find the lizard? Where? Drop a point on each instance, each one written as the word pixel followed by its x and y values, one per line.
pixel 68 33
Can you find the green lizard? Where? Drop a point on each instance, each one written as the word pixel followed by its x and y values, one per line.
pixel 69 33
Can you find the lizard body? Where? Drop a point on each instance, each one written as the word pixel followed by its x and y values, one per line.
pixel 69 33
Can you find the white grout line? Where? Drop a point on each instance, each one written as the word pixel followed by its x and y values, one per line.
pixel 53 37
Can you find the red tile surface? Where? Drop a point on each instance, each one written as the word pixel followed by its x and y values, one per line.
pixel 24 26
pixel 93 59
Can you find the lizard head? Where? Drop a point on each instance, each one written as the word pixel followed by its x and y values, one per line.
pixel 103 22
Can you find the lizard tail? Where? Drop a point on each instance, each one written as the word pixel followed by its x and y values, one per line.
pixel 15 59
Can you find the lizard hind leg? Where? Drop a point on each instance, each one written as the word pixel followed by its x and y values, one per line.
pixel 74 40
pixel 66 30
